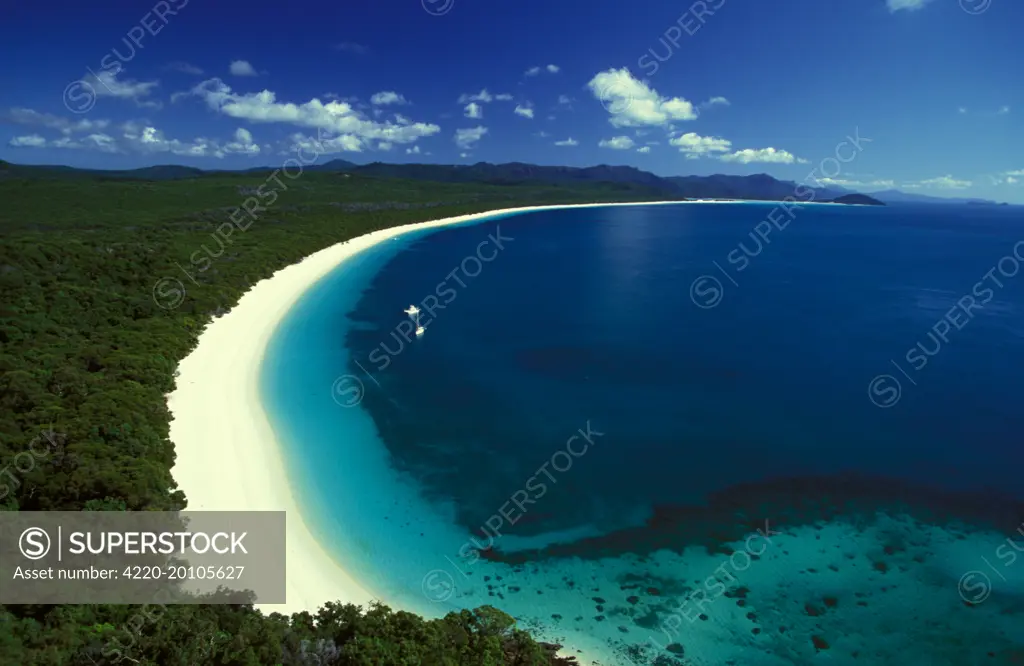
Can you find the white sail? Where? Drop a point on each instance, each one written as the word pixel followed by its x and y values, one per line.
pixel 414 314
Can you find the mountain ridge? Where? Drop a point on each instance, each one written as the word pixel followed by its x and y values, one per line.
pixel 760 186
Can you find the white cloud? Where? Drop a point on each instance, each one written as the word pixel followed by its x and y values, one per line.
pixel 524 111
pixel 1007 177
pixel 568 142
pixel 853 182
pixel 184 68
pixel 534 71
pixel 946 182
pixel 771 155
pixel 542 134
pixel 242 68
pixel 617 143
pixel 415 150
pixel 463 154
pixel 484 96
pixel 632 103
pixel 1003 110
pixel 243 143
pixel 693 145
pixel 467 138
pixel 146 140
pixel 385 145
pixel 715 101
pixel 961 110
pixel 387 97
pixel 909 5
pixel 474 110
pixel 645 149
pixel 105 84
pixel 20 116
pixel 30 141
pixel 345 143
pixel 335 117
pixel 564 100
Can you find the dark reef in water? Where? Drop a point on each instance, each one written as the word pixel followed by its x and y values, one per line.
pixel 736 512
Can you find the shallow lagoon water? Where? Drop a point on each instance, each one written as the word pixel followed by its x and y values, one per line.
pixel 755 494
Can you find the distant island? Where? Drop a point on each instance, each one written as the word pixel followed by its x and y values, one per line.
pixel 856 200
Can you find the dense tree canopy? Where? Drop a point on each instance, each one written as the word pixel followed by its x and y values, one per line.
pixel 88 349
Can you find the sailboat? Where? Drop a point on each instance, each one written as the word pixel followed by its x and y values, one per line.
pixel 414 314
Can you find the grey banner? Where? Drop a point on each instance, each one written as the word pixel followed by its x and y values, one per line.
pixel 142 557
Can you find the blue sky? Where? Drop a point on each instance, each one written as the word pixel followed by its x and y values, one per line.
pixel 932 87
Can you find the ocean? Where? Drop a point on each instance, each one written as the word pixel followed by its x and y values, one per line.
pixel 705 433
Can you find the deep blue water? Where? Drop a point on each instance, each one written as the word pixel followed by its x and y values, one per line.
pixel 707 357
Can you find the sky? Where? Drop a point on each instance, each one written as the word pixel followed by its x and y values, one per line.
pixel 921 95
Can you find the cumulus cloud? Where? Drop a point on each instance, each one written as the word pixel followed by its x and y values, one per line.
pixel 474 110
pixel 243 143
pixel 908 5
pixel 353 128
pixel 524 111
pixel 946 182
pixel 715 101
pixel 415 150
pixel 324 145
pixel 645 149
pixel 694 146
pixel 28 141
pixel 467 138
pixel 617 143
pixel 242 68
pixel 387 97
pixel 632 103
pixel 484 96
pixel 98 141
pixel 135 138
pixel 534 71
pixel 106 84
pixel 769 155
pixel 859 182
pixel 568 142
pixel 29 117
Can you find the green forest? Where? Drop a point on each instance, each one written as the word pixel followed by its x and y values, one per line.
pixel 88 351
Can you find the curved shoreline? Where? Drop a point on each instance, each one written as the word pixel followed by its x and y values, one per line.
pixel 227 455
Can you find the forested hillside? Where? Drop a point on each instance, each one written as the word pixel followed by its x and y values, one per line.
pixel 88 350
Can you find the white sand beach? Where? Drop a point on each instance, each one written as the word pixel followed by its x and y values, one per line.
pixel 228 457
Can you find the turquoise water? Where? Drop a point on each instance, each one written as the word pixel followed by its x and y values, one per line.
pixel 678 433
